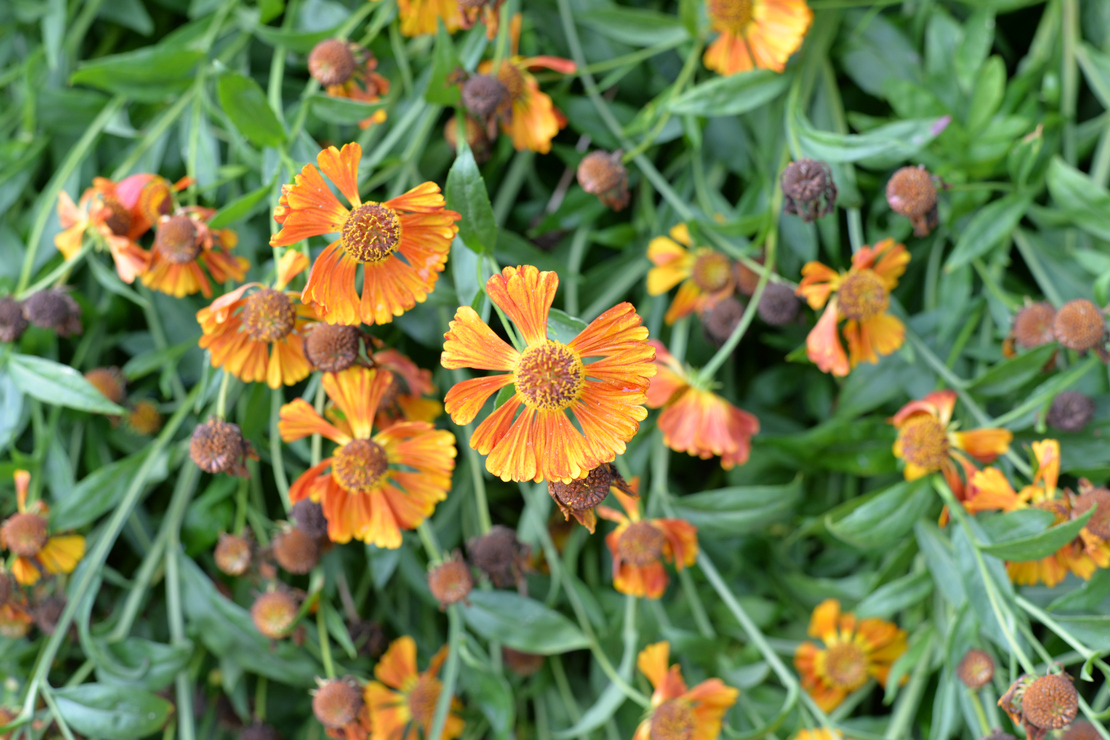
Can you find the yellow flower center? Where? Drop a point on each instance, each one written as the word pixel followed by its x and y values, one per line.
pixel 712 271
pixel 672 720
pixel 862 296
pixel 549 376
pixel 371 233
pixel 422 700
pixel 730 15
pixel 846 666
pixel 359 465
pixel 641 544
pixel 25 534
pixel 924 442
pixel 176 240
pixel 269 315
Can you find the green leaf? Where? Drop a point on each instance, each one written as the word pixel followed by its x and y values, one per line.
pixel 298 42
pixel 58 385
pixel 1093 631
pixel 1096 68
pixel 990 86
pixel 941 562
pixel 116 712
pixel 11 409
pixel 110 279
pixel 882 147
pixel 740 509
pixel 153 664
pixel 522 623
pixel 1010 375
pixel 101 490
pixel 242 207
pixel 893 597
pixel 493 697
pixel 1015 524
pixel 1087 596
pixel 142 365
pixel 1037 546
pixel 466 193
pixel 148 75
pixel 562 327
pixel 129 14
pixel 444 62
pixel 729 96
pixel 989 227
pixel 342 110
pixel 245 104
pixel 1079 198
pixel 634 26
pixel 882 517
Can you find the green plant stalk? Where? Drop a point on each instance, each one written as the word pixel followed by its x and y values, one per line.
pixel 565 694
pixel 325 644
pixel 578 246
pixel 277 461
pixel 49 196
pixel 909 699
pixel 992 285
pixel 160 126
pixel 221 397
pixel 1069 76
pixel 510 185
pixel 1034 264
pixel 158 334
pixel 684 75
pixel 617 287
pixel 1072 375
pixel 977 705
pixel 59 273
pixel 474 462
pixel 63 727
pixel 260 689
pixel 187 482
pixel 450 672
pixel 317 440
pixel 430 542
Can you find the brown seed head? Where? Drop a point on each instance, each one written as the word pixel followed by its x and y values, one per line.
pixel 911 192
pixel 1099 523
pixel 144 418
pixel 976 669
pixel 483 95
pixel 176 240
pixel 295 551
pixel 809 190
pixel 337 703
pixel 310 518
pixel 1081 730
pixel 259 731
pixel 604 175
pixel 1033 325
pixel 450 582
pixel 273 614
pixel 53 309
pixel 116 217
pixel 522 664
pixel 1071 411
pixel 1050 702
pixel 500 555
pixel 233 554
pixel 746 278
pixel 584 493
pixel 12 321
pixel 109 381
pixel 218 446
pixel 332 348
pixel 719 321
pixel 331 62
pixel 674 719
pixel 268 315
pixel 48 612
pixel 778 306
pixel 1079 325
pixel 641 544
pixel 24 534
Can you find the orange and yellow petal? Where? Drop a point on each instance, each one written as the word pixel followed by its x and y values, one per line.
pixel 525 295
pixel 330 289
pixel 61 554
pixel 466 398
pixel 421 17
pixel 711 699
pixel 299 420
pixel 702 423
pixel 308 208
pixel 26 573
pixel 1047 452
pixel 642 581
pixel 682 541
pixel 470 343
pixel 818 282
pixel 772 34
pixel 985 445
pixel 534 120
pixel 989 490
pixel 887 260
pixel 823 346
pixel 357 391
pixel 653 662
pixel 289 265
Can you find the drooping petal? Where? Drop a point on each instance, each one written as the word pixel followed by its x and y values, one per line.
pixel 357 391
pixel 823 346
pixel 61 554
pixel 310 209
pixel 818 282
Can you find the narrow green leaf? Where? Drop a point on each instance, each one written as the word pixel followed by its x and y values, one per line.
pixel 893 597
pixel 466 193
pixel 101 490
pixel 562 327
pixel 59 385
pixel 739 509
pixel 444 62
pixel 882 517
pixel 729 96
pixel 989 227
pixel 881 147
pixel 116 712
pixel 522 623
pixel 147 75
pixel 1037 546
pixel 1079 198
pixel 634 26
pixel 245 104
pixel 342 110
pixel 153 664
pixel 1010 375
pixel 242 207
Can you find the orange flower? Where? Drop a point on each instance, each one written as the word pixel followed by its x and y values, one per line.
pixel 695 420
pixel 640 546
pixel 378 483
pixel 182 243
pixel 854 649
pixel 862 296
pixel 404 400
pixel 420 17
pixel 346 70
pixel 260 337
pixel 551 379
pixel 821 734
pixel 928 442
pixel 402 702
pixel 15 623
pixel 402 243
pixel 27 536
pixel 988 490
pixel 755 34
pixel 675 708
pixel 707 274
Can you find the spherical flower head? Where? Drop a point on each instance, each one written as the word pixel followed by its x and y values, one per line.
pixel 1081 730
pixel 719 321
pixel 332 62
pixel 912 193
pixel 1071 411
pixel 522 664
pixel 583 493
pixel 1079 325
pixel 25 534
pixel 604 175
pixel 259 731
pixel 144 419
pixel 177 240
pixel 641 544
pixel 268 315
pixel 336 703
pixel 808 189
pixel 747 279
pixel 451 581
pixel 924 442
pixel 233 554
pixel 53 309
pixel 1050 702
pixel 274 613
pixel 218 446
pixel 295 551
pixel 12 321
pixel 500 555
pixel 778 306
pixel 332 348
pixel 310 519
pixel 109 381
pixel 1033 325
pixel 483 95
pixel 976 668
pixel 754 34
pixel 1099 523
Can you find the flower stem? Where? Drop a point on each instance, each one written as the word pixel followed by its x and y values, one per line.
pixel 431 543
pixel 977 705
pixel 277 461
pixel 450 672
pixel 58 272
pixel 325 645
pixel 221 397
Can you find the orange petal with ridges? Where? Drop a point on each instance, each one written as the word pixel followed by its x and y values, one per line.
pixel 514 457
pixel 984 444
pixel 823 621
pixel 398 664
pixel 653 661
pixel 357 391
pixel 823 346
pixel 525 295
pixel 299 420
pixel 341 167
pixel 470 343
pixel 466 398
pixel 617 330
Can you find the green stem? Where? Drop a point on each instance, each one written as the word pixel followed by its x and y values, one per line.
pixel 58 272
pixel 510 185
pixel 431 543
pixel 977 705
pixel 221 398
pixel 48 696
pixel 578 245
pixel 260 689
pixel 1034 264
pixel 325 644
pixel 155 132
pixel 450 672
pixel 688 67
pixel 317 440
pixel 176 618
pixel 158 334
pixel 1069 76
pixel 277 461
pixel 910 699
pixel 474 462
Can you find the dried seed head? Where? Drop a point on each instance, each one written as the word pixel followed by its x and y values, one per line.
pixel 176 240
pixel 7 587
pixel 233 554
pixel 332 348
pixel 809 190
pixel 522 664
pixel 331 62
pixel 295 551
pixel 719 321
pixel 1071 411
pixel 24 534
pixel 778 306
pixel 1050 702
pixel 746 278
pixel 1079 325
pixel 109 381
pixel 337 703
pixel 259 731
pixel 144 418
pixel 483 95
pixel 476 137
pixel 53 309
pixel 450 582
pixel 1033 325
pixel 218 446
pixel 604 175
pixel 976 669
pixel 912 193
pixel 584 493
pixel 1099 523
pixel 674 719
pixel 15 622
pixel 500 555
pixel 273 614
pixel 48 612
pixel 310 518
pixel 1081 730
pixel 368 637
pixel 641 544
pixel 12 321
